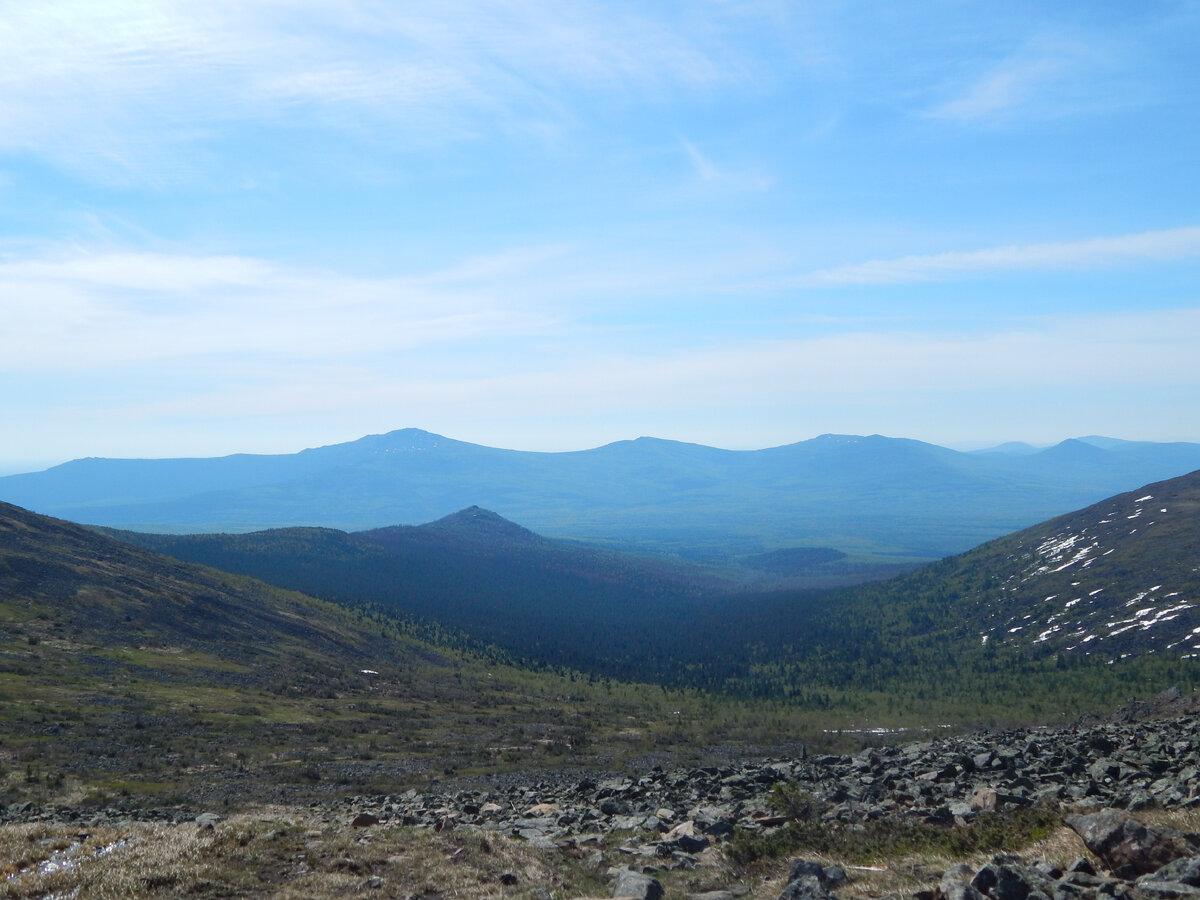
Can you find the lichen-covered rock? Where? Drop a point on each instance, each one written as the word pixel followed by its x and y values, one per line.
pixel 637 885
pixel 808 880
pixel 806 887
pixel 1180 878
pixel 1121 840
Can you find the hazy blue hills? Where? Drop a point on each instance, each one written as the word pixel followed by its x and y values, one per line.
pixel 1094 604
pixel 476 573
pixel 866 496
pixel 127 677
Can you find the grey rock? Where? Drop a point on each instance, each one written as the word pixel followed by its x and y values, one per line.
pixel 1184 871
pixel 835 876
pixel 1167 889
pixel 637 885
pixel 956 875
pixel 1140 799
pixel 628 823
pixel 984 800
pixel 1082 865
pixel 538 839
pixel 956 884
pixel 686 843
pixel 806 887
pixel 1104 768
pixel 1121 840
pixel 801 867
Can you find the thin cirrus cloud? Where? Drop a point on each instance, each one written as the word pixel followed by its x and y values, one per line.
pixel 127 80
pixel 866 367
pixel 1158 246
pixel 1052 75
pixel 84 312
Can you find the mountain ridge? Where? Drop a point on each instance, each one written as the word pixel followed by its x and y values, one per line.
pixel 1113 584
pixel 993 609
pixel 856 494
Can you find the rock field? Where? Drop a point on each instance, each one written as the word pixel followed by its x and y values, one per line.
pixel 1100 774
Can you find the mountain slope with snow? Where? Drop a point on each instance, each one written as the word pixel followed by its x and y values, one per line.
pixel 1120 577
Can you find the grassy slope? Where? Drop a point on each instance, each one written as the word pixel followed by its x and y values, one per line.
pixel 891 653
pixel 914 643
pixel 125 674
pixel 125 671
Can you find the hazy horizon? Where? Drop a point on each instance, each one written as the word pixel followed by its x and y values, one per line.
pixel 21 467
pixel 237 228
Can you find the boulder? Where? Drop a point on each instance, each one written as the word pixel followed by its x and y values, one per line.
pixel 1121 840
pixel 984 800
pixel 636 885
pixel 808 880
pixel 807 887
pixel 1180 878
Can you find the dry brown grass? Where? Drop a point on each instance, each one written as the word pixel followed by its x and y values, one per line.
pixel 291 854
pixel 278 855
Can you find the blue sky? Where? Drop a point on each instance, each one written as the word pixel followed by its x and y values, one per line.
pixel 271 225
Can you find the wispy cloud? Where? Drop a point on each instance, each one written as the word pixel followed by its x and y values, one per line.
pixel 703 166
pixel 1007 86
pixel 1051 75
pixel 113 86
pixel 167 343
pixel 860 382
pixel 1175 243
pixel 85 312
pixel 722 177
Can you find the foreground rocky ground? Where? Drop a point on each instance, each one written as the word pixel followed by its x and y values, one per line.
pixel 1089 808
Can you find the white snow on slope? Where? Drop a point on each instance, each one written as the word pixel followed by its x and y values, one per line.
pixel 1086 620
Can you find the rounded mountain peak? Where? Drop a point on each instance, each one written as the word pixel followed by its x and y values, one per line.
pixel 475 521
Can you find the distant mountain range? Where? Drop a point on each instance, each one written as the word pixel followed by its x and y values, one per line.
pixel 879 497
